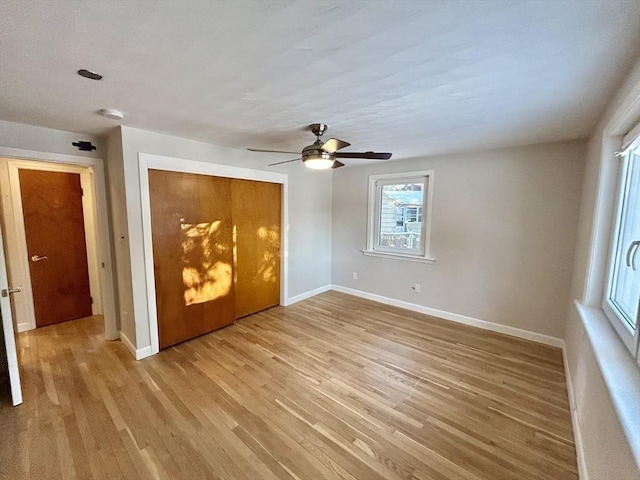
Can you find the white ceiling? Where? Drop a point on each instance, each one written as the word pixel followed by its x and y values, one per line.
pixel 410 77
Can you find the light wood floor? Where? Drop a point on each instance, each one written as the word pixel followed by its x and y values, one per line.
pixel 332 387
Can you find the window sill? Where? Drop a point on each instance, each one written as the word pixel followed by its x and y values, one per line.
pixel 397 256
pixel 619 370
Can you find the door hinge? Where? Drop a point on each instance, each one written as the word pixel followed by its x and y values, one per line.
pixel 81 192
pixel 91 298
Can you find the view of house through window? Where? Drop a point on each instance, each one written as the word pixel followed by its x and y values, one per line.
pixel 402 202
pixel 399 215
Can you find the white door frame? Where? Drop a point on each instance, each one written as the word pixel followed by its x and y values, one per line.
pixel 91 237
pixel 97 234
pixel 148 161
pixel 8 332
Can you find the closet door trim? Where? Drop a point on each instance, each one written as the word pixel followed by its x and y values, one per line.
pixel 150 161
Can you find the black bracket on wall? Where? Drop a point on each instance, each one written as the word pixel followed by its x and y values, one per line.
pixel 84 146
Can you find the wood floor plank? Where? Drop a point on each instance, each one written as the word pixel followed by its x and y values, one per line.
pixel 333 387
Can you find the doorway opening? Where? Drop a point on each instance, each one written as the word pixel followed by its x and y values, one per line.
pixel 89 246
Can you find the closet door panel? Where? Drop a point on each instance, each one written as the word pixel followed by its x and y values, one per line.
pixel 256 211
pixel 192 234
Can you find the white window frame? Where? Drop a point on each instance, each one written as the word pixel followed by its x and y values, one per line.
pixel 629 336
pixel 373 216
pixel 619 369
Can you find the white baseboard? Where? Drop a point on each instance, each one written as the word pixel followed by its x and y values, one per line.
pixel 577 434
pixel 127 343
pixel 309 294
pixel 23 327
pixel 474 322
pixel 138 353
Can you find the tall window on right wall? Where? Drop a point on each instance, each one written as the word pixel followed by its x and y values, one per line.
pixel 621 301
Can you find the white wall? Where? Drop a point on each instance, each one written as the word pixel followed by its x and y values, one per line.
pixel 119 243
pixel 309 217
pixel 606 450
pixel 28 137
pixel 503 230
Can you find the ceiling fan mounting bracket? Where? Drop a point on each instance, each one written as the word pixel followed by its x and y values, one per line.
pixel 318 129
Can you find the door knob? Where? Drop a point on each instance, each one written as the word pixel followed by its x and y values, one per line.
pixel 37 258
pixel 7 291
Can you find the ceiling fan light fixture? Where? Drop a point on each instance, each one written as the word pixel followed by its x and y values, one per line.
pixel 318 159
pixel 318 163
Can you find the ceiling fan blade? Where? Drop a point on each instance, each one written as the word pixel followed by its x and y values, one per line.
pixel 367 155
pixel 270 151
pixel 333 145
pixel 337 164
pixel 286 161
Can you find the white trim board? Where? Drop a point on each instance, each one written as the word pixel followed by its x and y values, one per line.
pixel 148 161
pixel 577 434
pixel 307 294
pixel 94 174
pixel 13 368
pixel 138 353
pixel 474 322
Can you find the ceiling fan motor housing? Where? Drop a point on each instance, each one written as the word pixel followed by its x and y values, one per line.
pixel 315 151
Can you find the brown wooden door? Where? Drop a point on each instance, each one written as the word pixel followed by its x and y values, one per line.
pixel 54 227
pixel 192 254
pixel 256 210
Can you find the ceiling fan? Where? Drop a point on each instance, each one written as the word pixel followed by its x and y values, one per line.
pixel 321 155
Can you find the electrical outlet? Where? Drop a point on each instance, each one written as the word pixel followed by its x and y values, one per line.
pixel 416 287
pixel 355 275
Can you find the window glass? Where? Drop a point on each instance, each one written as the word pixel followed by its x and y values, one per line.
pixel 624 293
pixel 406 198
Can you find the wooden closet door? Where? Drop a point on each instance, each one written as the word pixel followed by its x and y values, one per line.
pixel 192 254
pixel 256 210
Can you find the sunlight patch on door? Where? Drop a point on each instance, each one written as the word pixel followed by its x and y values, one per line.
pixel 270 238
pixel 205 278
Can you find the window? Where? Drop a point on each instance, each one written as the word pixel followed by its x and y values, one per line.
pixel 622 295
pixel 399 215
pixel 413 214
